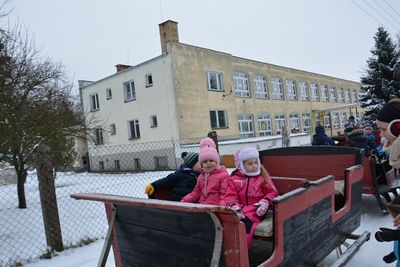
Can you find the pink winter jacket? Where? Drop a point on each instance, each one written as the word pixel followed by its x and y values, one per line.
pixel 246 191
pixel 210 188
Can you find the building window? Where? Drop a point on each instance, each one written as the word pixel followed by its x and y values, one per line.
pixel 161 162
pixel 341 95
pixel 101 165
pixel 306 120
pixel 332 94
pixel 303 91
pixel 108 93
pixel 129 91
pixel 354 97
pixel 240 84
pixel 149 80
pixel 277 90
pixel 260 85
pixel 153 121
pixel 324 93
pixel 136 162
pixel 113 130
pixel 335 120
pixel 280 121
pixel 314 92
pixel 264 124
pixel 98 133
pixel 317 118
pixel 215 81
pixel 291 90
pixel 94 102
pixel 346 95
pixel 245 123
pixel 218 119
pixel 327 120
pixel 343 119
pixel 294 123
pixel 117 164
pixel 133 129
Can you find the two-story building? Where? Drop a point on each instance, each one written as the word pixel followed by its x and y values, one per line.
pixel 188 91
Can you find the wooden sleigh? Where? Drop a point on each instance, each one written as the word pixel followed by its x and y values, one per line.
pixel 309 220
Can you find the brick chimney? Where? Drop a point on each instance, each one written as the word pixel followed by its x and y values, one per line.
pixel 122 67
pixel 168 33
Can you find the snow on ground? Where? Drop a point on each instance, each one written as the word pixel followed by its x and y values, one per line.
pixel 369 255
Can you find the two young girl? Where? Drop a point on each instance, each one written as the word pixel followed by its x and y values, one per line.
pixel 249 191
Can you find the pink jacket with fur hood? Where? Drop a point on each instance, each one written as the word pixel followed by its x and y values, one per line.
pixel 210 188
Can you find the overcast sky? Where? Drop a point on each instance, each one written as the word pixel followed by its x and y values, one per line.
pixel 332 37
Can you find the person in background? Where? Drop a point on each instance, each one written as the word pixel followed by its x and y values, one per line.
pixel 211 183
pixel 371 139
pixel 356 137
pixel 351 122
pixel 250 190
pixel 183 180
pixel 320 138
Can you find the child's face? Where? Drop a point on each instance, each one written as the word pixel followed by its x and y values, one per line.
pixel 197 167
pixel 250 165
pixel 209 165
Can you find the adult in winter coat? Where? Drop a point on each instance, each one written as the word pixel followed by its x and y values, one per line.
pixel 211 183
pixel 250 190
pixel 320 138
pixel 183 180
pixel 357 137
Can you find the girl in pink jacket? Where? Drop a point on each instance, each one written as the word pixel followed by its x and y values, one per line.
pixel 211 184
pixel 250 190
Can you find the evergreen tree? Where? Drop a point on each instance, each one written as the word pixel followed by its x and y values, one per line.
pixel 381 79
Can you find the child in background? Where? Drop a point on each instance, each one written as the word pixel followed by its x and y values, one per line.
pixel 183 180
pixel 211 183
pixel 250 190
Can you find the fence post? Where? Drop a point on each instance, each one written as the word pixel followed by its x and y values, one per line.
pixel 214 137
pixel 48 199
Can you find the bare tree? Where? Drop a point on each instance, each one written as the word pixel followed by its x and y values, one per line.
pixel 36 106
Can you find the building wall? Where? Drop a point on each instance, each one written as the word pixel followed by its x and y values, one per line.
pixel 190 65
pixel 158 99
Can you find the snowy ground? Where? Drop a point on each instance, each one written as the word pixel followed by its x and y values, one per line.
pixel 370 254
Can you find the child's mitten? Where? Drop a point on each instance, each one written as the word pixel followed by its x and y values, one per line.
pixel 389 258
pixel 386 234
pixel 236 208
pixel 149 189
pixel 263 205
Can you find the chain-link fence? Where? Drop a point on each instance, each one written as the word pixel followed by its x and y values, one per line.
pixel 53 219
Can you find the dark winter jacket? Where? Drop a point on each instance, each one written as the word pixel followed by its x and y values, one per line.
pixel 184 180
pixel 358 138
pixel 320 138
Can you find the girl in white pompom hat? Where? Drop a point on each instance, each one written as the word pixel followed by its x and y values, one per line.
pixel 250 190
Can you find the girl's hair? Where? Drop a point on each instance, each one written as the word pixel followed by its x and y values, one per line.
pixel 264 173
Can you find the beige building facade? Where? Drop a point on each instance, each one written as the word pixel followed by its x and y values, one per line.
pixel 188 91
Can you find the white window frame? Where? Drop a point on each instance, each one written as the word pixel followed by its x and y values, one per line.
pixel 277 89
pixel 327 121
pixel 317 118
pixel 324 93
pixel 245 125
pixel 241 84
pixel 280 121
pixel 347 98
pixel 149 80
pixel 304 94
pixel 306 121
pixel 340 95
pixel 264 124
pixel 109 93
pixel 260 86
pixel 129 91
pixel 216 114
pixel 153 121
pixel 99 137
pixel 294 123
pixel 94 102
pixel 354 97
pixel 219 80
pixel 342 119
pixel 335 120
pixel 314 92
pixel 135 134
pixel 332 94
pixel 291 90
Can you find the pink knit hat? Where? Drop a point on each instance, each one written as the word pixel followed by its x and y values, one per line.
pixel 244 154
pixel 208 150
